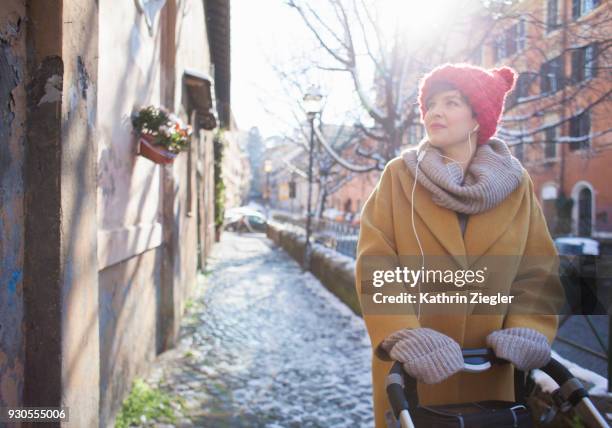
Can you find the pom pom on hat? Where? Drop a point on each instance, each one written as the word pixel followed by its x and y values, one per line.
pixel 485 90
pixel 509 76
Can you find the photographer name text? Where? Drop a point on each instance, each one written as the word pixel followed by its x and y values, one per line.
pixel 443 298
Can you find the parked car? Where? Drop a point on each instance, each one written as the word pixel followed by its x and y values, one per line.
pixel 244 219
pixel 256 207
pixel 575 245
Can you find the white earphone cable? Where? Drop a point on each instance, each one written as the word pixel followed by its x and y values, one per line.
pixel 420 156
pixel 416 176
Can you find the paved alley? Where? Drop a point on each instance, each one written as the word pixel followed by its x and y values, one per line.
pixel 266 345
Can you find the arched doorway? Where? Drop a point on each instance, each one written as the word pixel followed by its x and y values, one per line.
pixel 585 213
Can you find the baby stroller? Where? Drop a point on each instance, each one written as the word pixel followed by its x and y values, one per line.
pixel 402 394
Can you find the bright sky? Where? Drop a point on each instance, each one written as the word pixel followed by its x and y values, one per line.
pixel 266 32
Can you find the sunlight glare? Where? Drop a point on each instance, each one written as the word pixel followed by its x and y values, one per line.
pixel 415 19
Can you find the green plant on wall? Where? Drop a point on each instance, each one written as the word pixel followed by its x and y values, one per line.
pixel 146 403
pixel 218 145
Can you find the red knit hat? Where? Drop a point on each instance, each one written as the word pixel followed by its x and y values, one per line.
pixel 485 90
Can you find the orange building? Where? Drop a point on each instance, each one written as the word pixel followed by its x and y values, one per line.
pixel 557 119
pixel 351 197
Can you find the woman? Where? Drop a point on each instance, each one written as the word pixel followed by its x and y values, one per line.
pixel 460 194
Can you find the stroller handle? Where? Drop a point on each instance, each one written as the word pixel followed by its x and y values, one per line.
pixel 475 360
pixel 481 359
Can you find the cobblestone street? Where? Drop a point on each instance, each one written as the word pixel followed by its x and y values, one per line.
pixel 265 345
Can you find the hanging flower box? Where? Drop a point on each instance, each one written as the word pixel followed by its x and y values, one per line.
pixel 161 135
pixel 154 152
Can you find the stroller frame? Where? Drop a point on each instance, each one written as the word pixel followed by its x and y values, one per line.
pixel 403 396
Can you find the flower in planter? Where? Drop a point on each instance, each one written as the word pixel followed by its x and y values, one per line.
pixel 162 127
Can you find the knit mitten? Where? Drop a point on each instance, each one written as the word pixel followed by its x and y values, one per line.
pixel 524 347
pixel 427 355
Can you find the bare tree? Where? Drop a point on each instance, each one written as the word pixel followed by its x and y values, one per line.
pixel 336 156
pixel 350 34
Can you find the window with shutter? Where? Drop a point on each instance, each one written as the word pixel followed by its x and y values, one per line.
pixel 576 8
pixel 292 190
pixel 582 7
pixel 585 124
pixel 511 36
pixel 511 99
pixel 559 70
pixel 499 46
pixel 551 15
pixel 523 84
pixel 590 61
pixel 521 37
pixel 522 88
pixel 584 63
pixel 580 126
pixel 552 75
pixel 519 151
pixel 577 65
pixel 550 143
pixel 544 78
pixel 589 5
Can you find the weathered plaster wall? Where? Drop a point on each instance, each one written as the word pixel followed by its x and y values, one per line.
pixel 128 199
pixel 61 356
pixel 192 50
pixel 146 219
pixel 79 298
pixel 12 136
pixel 81 219
pixel 192 53
pixel 206 187
pixel 129 307
pixel 129 76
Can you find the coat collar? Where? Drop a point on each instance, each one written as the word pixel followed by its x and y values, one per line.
pixel 482 230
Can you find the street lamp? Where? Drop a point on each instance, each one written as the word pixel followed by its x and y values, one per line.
pixel 312 106
pixel 267 170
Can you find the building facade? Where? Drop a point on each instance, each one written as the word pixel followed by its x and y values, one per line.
pixel 557 119
pixel 100 247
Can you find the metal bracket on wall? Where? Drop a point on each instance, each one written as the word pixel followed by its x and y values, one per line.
pixel 149 8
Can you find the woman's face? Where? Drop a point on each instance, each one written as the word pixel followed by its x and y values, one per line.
pixel 449 120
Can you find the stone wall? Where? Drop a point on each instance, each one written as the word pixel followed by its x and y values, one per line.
pixel 334 270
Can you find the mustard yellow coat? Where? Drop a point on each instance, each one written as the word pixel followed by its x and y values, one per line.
pixel 514 227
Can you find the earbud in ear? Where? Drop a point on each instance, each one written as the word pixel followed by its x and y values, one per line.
pixel 476 128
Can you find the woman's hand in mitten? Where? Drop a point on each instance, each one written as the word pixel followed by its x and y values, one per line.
pixel 524 347
pixel 427 355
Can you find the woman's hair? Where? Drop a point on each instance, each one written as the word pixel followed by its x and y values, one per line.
pixel 443 86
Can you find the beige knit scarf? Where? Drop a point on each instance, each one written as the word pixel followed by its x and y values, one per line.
pixel 491 176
